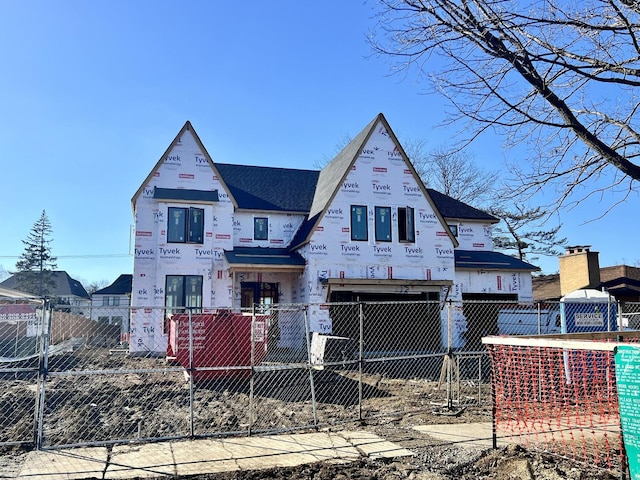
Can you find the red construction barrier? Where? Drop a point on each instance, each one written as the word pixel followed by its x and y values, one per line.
pixel 220 339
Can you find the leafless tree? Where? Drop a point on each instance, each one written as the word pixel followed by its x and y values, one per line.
pixel 448 170
pixel 95 285
pixel 560 77
pixel 454 173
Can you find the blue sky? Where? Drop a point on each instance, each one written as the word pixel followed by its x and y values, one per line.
pixel 94 92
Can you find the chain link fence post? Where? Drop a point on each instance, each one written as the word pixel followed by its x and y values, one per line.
pixel 252 363
pixel 449 358
pixel 360 357
pixel 43 363
pixel 307 335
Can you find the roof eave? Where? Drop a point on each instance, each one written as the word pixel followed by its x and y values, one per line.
pixel 253 267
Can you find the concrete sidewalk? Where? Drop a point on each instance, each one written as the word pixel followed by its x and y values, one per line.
pixel 192 457
pixel 463 434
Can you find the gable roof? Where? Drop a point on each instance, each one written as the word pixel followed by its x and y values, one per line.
pixel 334 174
pixel 484 260
pixel 120 286
pixel 270 188
pixel 452 208
pixel 187 127
pixel 309 191
pixel 64 285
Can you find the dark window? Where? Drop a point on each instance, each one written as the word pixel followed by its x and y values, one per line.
pixel 110 301
pixel 406 225
pixel 185 225
pixel 454 230
pixel 183 291
pixel 196 225
pixel 383 224
pixel 177 225
pixel 359 222
pixel 260 228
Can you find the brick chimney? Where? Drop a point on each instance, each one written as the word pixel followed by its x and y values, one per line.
pixel 579 268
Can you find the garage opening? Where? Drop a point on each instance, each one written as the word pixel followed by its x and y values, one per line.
pixel 395 323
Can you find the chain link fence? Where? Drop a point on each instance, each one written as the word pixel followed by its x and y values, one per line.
pixel 72 380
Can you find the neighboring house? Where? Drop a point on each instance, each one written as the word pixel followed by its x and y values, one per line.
pixel 363 228
pixel 67 293
pixel 580 269
pixel 111 304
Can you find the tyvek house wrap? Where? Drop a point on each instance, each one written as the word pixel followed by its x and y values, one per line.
pixel 374 173
pixel 380 176
pixel 184 166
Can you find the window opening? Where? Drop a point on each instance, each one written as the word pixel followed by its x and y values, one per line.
pixel 383 224
pixel 359 223
pixel 260 228
pixel 185 225
pixel 406 225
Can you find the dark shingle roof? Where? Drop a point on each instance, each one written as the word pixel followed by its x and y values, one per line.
pixel 452 208
pixel 121 286
pixel 263 256
pixel 304 231
pixel 64 284
pixel 481 260
pixel 270 188
pixel 334 172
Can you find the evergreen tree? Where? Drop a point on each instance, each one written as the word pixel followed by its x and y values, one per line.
pixel 35 265
pixel 523 234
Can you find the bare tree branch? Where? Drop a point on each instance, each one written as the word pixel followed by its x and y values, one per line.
pixel 560 77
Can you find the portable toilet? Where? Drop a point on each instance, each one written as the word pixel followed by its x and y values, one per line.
pixel 588 310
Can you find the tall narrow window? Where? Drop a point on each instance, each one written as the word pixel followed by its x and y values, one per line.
pixel 406 225
pixel 196 225
pixel 383 224
pixel 260 228
pixel 185 225
pixel 359 222
pixel 177 225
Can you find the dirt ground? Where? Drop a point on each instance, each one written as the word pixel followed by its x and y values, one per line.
pixel 432 460
pixel 86 408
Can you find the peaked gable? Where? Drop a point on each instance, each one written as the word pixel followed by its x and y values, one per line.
pixel 187 128
pixel 334 174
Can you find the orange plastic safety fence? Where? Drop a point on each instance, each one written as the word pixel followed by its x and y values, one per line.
pixel 558 400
